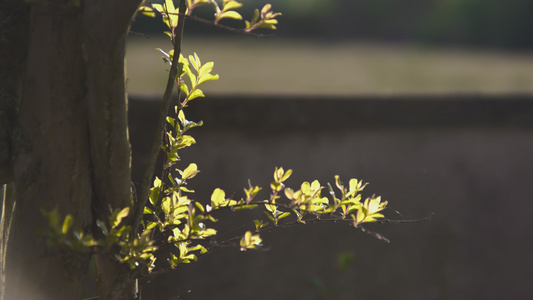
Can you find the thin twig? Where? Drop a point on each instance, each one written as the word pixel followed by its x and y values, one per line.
pixel 227 28
pixel 160 130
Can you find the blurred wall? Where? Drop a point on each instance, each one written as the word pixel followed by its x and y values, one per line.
pixel 468 159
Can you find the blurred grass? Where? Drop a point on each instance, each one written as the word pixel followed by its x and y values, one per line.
pixel 273 66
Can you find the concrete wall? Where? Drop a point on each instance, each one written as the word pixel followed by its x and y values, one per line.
pixel 468 159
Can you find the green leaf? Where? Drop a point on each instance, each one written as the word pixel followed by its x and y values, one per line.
pixel 217 198
pixel 198 247
pixel 189 172
pixel 117 216
pixel 195 61
pixel 181 117
pixel 251 192
pixel 275 186
pixel 250 241
pixel 266 8
pixel 171 121
pixel 243 207
pixel 151 225
pixel 207 77
pixel 184 88
pixel 278 174
pixel 200 206
pixel 155 191
pixel 102 227
pixel 259 224
pixel 185 141
pixel 158 7
pixel 286 175
pixel 147 11
pixel 206 69
pixel 195 94
pixel 229 15
pixel 231 5
pixel 67 223
pixel 255 17
pixel 283 215
pixel 271 208
pixel 172 13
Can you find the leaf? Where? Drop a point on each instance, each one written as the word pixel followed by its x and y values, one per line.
pixel 151 225
pixel 290 194
pixel 250 241
pixel 198 247
pixel 155 191
pixel 286 175
pixel 117 216
pixel 189 172
pixel 206 69
pixel 217 198
pixel 171 121
pixel 158 7
pixel 251 192
pixel 185 141
pixel 259 224
pixel 255 18
pixel 230 15
pixel 207 77
pixel 243 207
pixel 195 61
pixel 67 223
pixel 181 117
pixel 147 11
pixel 283 215
pixel 172 13
pixel 200 207
pixel 266 8
pixel 102 227
pixel 231 5
pixel 278 174
pixel 184 88
pixel 271 208
pixel 197 93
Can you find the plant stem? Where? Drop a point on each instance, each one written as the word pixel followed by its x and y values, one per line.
pixel 161 124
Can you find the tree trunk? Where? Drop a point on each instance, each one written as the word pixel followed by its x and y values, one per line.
pixel 69 147
pixel 51 156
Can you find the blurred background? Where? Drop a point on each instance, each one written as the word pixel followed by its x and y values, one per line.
pixel 346 47
pixel 429 101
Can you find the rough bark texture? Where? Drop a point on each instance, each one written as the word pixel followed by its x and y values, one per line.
pixel 13 50
pixel 51 159
pixel 68 145
pixel 107 110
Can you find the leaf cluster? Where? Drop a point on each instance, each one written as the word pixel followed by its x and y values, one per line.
pixel 225 9
pixel 137 252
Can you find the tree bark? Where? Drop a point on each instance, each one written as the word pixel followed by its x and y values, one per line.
pixel 51 157
pixel 69 148
pixel 107 109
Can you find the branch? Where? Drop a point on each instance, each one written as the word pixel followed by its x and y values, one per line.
pixel 161 124
pixel 228 28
